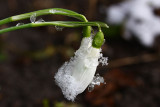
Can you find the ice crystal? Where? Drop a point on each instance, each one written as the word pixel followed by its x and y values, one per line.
pixel 19 24
pixel 97 80
pixel 103 60
pixel 40 20
pixel 59 28
pixel 56 11
pixel 33 18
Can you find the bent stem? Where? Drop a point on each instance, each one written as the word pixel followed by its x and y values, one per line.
pixel 56 11
pixel 55 23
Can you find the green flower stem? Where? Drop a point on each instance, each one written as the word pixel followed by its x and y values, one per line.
pixel 56 11
pixel 6 20
pixel 54 23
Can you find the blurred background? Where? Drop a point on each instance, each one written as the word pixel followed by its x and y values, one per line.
pixel 29 58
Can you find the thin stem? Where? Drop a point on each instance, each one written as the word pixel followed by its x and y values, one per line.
pixel 99 28
pixel 56 11
pixel 54 23
pixel 4 21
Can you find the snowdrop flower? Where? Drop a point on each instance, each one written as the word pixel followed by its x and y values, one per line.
pixel 73 77
pixel 141 21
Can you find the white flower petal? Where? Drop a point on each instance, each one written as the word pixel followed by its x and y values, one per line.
pixel 74 76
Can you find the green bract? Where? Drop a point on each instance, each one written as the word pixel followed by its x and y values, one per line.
pixel 98 40
pixel 87 31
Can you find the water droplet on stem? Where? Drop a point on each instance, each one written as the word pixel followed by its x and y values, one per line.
pixel 40 20
pixel 18 24
pixel 33 18
pixel 59 28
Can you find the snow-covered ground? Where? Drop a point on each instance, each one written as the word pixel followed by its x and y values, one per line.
pixel 138 17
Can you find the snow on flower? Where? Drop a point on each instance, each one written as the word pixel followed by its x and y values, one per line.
pixel 73 77
pixel 139 19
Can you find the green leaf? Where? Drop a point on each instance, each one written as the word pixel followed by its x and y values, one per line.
pixel 56 11
pixel 55 23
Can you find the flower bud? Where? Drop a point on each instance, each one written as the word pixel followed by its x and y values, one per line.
pixel 75 75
